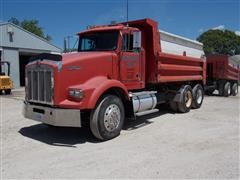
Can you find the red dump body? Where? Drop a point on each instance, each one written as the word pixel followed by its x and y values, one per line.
pixel 219 67
pixel 172 68
pixel 163 67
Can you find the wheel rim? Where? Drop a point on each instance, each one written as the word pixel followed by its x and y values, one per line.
pixel 112 117
pixel 199 96
pixel 188 99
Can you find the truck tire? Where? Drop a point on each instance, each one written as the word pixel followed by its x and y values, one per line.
pixel 8 91
pixel 198 96
pixel 186 99
pixel 227 89
pixel 107 118
pixel 234 89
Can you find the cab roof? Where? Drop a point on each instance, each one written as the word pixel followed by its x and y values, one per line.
pixel 103 28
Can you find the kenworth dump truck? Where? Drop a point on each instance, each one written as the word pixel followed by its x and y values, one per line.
pixel 119 72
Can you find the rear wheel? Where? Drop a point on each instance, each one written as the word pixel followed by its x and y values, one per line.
pixel 234 90
pixel 8 91
pixel 107 118
pixel 227 89
pixel 198 95
pixel 186 100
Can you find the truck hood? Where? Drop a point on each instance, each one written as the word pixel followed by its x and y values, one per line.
pixel 78 68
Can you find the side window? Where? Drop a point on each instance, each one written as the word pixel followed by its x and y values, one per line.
pixel 127 42
pixel 88 44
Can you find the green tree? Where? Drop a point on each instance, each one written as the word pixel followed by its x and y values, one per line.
pixel 31 26
pixel 220 42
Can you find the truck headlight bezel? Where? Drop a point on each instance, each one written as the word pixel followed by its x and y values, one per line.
pixel 75 93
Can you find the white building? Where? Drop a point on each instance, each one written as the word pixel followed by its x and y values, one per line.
pixel 17 45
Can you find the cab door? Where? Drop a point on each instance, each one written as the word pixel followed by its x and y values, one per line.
pixel 131 59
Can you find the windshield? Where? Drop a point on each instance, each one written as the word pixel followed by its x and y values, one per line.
pixel 98 41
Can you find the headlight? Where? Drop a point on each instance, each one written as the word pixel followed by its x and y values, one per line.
pixel 76 93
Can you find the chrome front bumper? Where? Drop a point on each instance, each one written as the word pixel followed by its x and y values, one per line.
pixel 53 116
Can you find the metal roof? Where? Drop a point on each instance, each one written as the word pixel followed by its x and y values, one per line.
pixel 23 39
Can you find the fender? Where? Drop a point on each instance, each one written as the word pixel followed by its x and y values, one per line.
pixel 178 97
pixel 95 87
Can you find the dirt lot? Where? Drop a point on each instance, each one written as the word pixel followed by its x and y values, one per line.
pixel 201 144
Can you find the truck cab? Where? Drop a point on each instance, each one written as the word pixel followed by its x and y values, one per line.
pixel 125 43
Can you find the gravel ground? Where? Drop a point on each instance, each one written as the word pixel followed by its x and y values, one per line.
pixel 201 144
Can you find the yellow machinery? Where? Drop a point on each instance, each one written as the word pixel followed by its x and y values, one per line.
pixel 6 83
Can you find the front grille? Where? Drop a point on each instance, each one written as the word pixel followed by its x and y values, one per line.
pixel 5 81
pixel 39 87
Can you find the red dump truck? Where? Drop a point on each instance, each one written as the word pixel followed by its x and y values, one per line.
pixel 222 75
pixel 120 71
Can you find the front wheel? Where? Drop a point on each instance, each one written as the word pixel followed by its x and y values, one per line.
pixel 107 118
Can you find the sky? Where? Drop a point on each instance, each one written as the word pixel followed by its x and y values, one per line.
pixel 61 18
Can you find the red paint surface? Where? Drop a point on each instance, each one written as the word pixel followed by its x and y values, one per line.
pixel 219 68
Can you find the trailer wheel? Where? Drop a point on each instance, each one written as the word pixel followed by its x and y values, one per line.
pixel 107 118
pixel 227 89
pixel 198 96
pixel 234 89
pixel 186 100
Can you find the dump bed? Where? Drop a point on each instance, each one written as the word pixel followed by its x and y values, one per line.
pixel 169 57
pixel 219 67
pixel 180 59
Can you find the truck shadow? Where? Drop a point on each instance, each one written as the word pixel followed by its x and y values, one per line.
pixel 58 136
pixel 146 119
pixel 71 137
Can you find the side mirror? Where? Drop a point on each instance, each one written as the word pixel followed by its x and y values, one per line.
pixel 137 40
